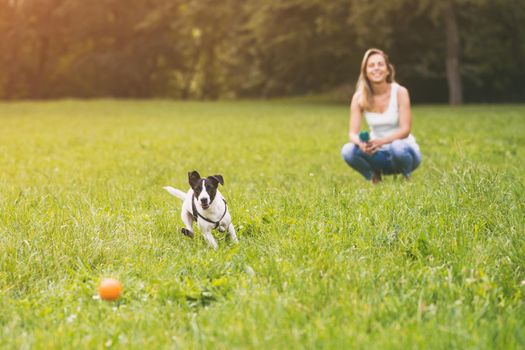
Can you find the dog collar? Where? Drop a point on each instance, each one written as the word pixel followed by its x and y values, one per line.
pixel 197 214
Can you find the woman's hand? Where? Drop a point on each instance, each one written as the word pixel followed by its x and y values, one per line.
pixel 363 146
pixel 373 146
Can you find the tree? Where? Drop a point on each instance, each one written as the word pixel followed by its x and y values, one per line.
pixel 296 46
pixel 455 86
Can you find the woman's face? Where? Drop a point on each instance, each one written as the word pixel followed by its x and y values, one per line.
pixel 376 69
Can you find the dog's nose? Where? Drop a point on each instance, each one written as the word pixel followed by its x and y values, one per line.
pixel 204 201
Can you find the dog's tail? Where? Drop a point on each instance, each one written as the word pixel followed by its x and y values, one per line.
pixel 175 192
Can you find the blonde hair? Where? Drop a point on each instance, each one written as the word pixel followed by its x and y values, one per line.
pixel 364 88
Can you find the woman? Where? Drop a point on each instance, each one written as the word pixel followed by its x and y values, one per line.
pixel 386 107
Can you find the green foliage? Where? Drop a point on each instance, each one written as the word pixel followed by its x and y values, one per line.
pixel 203 49
pixel 325 259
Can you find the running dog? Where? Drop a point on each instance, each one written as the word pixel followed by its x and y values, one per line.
pixel 204 204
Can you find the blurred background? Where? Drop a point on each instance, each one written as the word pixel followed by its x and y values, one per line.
pixel 453 51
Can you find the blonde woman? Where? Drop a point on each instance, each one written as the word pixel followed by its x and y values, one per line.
pixel 386 107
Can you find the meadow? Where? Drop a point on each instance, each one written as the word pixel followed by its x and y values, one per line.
pixel 325 259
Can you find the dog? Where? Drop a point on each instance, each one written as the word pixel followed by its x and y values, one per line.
pixel 204 204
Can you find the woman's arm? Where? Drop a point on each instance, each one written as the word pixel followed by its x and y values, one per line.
pixel 355 120
pixel 405 120
pixel 355 125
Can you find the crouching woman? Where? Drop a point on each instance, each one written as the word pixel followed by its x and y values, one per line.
pixel 385 105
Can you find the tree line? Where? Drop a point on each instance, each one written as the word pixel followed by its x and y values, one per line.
pixel 449 50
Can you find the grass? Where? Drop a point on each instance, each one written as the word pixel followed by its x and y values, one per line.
pixel 325 260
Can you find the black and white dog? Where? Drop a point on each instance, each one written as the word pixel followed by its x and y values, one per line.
pixel 204 204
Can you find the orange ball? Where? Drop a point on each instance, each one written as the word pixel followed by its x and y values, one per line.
pixel 109 289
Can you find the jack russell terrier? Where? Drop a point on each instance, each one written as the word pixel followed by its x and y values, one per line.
pixel 204 204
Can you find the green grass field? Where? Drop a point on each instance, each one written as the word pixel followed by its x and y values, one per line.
pixel 325 259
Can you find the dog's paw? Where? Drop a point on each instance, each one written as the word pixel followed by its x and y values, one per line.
pixel 187 232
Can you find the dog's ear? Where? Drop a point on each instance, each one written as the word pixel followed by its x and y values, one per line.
pixel 193 178
pixel 217 178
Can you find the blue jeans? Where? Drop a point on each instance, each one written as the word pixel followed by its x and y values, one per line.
pixel 401 157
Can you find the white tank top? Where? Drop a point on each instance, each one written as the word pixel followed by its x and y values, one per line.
pixel 386 123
